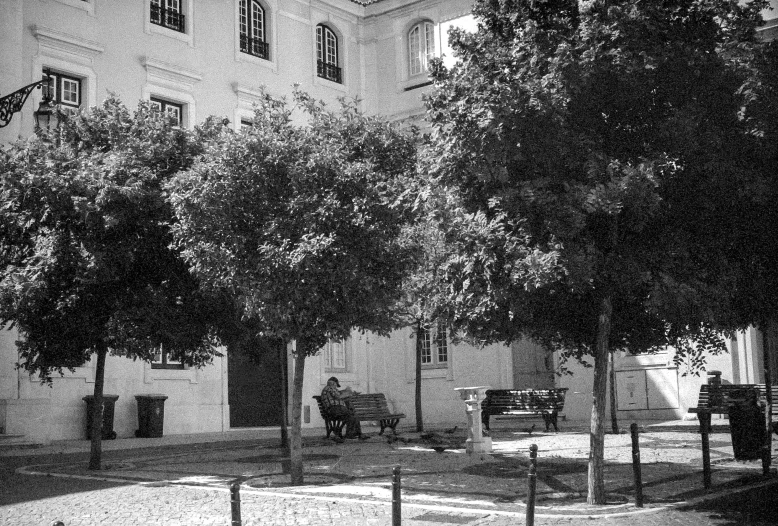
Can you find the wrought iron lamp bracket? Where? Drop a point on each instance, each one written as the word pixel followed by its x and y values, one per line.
pixel 13 103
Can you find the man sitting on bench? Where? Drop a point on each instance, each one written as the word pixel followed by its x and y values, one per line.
pixel 336 405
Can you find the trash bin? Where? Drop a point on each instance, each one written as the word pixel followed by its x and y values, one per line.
pixel 151 415
pixel 106 432
pixel 746 424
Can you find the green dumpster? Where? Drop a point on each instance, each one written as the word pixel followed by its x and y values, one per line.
pixel 151 415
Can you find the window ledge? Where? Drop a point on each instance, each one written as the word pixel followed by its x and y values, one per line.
pixel 89 6
pixel 436 372
pixel 150 375
pixel 320 81
pixel 257 61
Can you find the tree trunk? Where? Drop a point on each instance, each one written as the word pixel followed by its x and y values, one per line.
pixel 419 419
pixel 296 441
pixel 612 393
pixel 284 396
pixel 96 452
pixel 596 479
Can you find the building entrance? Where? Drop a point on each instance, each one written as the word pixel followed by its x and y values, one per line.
pixel 533 366
pixel 255 384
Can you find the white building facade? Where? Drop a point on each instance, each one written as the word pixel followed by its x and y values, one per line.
pixel 195 58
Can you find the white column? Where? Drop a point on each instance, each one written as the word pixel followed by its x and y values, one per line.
pixel 476 441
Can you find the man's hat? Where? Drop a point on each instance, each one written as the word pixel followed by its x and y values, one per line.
pixel 333 379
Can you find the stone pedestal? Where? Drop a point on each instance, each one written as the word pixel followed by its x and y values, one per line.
pixel 476 441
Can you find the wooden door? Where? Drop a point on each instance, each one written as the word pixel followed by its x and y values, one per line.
pixel 533 367
pixel 254 385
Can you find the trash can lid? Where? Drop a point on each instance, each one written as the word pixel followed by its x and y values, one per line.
pixel 151 396
pixel 109 396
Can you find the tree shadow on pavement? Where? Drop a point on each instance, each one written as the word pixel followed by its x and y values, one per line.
pixel 752 507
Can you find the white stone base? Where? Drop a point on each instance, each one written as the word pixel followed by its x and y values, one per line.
pixel 477 447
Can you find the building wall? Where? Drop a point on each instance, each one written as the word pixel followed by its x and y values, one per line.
pixel 386 364
pixel 652 387
pixel 113 47
pixel 197 400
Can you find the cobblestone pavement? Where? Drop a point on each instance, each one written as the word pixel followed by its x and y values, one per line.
pixel 188 485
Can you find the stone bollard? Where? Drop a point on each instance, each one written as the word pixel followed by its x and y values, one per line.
pixel 532 482
pixel 396 497
pixel 476 442
pixel 636 469
pixel 235 504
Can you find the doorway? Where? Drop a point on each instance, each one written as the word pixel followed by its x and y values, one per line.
pixel 533 366
pixel 255 384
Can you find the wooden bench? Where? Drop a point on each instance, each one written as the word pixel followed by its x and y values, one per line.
pixel 544 402
pixel 715 399
pixel 371 406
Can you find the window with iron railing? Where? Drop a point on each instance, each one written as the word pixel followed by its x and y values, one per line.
pixel 327 55
pixel 329 72
pixel 253 36
pixel 168 13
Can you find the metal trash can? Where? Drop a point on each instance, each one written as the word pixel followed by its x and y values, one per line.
pixel 746 424
pixel 151 415
pixel 106 431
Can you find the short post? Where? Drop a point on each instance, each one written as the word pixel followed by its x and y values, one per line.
pixel 235 502
pixel 396 508
pixel 704 430
pixel 633 428
pixel 532 482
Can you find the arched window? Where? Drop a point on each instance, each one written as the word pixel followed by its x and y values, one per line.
pixel 252 29
pixel 327 54
pixel 421 47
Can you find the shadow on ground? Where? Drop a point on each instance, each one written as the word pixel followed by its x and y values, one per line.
pixel 754 507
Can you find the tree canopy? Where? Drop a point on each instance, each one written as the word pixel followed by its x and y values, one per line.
pixel 301 224
pixel 85 245
pixel 610 138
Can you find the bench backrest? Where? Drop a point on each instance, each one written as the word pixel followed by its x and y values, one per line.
pixel 363 404
pixel 719 396
pixel 526 399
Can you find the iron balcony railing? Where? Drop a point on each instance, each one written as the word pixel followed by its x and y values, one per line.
pixel 255 47
pixel 329 72
pixel 168 18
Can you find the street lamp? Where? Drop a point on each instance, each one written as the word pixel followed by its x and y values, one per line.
pixel 13 103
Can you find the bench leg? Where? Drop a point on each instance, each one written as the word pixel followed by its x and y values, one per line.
pixel 550 419
pixel 485 419
pixel 334 427
pixel 390 423
pixel 546 420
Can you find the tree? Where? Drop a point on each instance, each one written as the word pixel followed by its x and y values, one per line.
pixel 609 137
pixel 84 245
pixel 424 303
pixel 301 225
